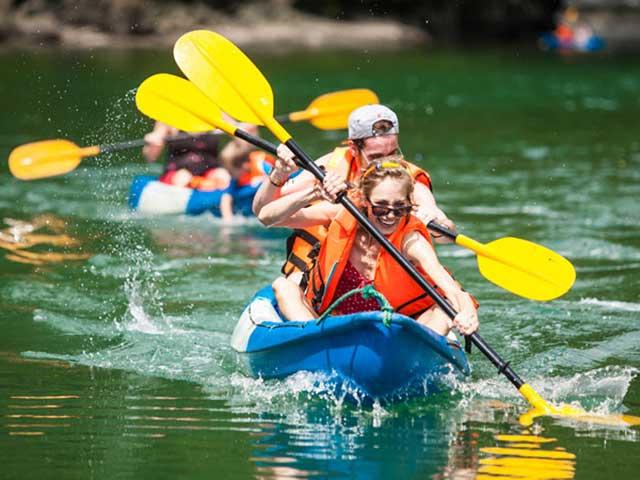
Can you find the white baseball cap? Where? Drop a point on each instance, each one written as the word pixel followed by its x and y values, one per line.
pixel 362 120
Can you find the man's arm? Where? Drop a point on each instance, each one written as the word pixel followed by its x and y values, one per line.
pixel 428 211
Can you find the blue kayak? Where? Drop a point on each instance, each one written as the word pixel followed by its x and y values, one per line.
pixel 149 196
pixel 357 351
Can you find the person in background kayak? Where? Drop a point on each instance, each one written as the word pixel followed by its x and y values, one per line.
pixel 373 133
pixel 349 257
pixel 187 158
pixel 195 162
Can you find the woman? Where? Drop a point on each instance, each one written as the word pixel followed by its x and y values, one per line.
pixel 350 257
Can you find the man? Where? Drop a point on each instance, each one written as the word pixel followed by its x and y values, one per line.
pixel 373 133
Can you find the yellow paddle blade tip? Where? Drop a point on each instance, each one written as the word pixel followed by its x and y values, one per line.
pixel 331 111
pixel 526 268
pixel 225 74
pixel 178 102
pixel 541 408
pixel 46 158
pixel 579 415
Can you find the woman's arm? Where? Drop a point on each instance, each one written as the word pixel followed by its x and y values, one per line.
pixel 293 211
pixel 270 189
pixel 420 252
pixel 278 184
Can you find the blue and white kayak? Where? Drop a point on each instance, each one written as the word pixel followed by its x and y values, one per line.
pixel 357 350
pixel 149 196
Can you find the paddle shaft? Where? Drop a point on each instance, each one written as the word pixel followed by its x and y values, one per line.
pixel 257 141
pixel 283 118
pixel 442 230
pixel 502 366
pixel 114 147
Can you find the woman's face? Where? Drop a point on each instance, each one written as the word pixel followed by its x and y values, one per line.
pixel 388 204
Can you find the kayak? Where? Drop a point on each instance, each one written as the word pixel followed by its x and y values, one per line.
pixel 588 44
pixel 360 354
pixel 149 196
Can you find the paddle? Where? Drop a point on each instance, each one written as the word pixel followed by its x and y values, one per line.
pixel 178 102
pixel 230 79
pixel 519 266
pixel 49 158
pixel 331 110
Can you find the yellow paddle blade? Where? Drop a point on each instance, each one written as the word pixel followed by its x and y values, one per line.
pixel 178 102
pixel 522 267
pixel 225 74
pixel 47 158
pixel 331 111
pixel 541 408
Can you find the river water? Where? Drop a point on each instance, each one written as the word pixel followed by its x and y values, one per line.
pixel 114 355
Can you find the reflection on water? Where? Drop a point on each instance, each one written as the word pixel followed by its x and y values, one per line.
pixel 219 240
pixel 526 457
pixel 18 237
pixel 35 414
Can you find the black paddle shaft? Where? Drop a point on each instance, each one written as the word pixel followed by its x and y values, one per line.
pixel 114 147
pixel 502 366
pixel 257 141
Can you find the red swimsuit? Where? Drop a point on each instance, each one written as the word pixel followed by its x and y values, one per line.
pixel 350 280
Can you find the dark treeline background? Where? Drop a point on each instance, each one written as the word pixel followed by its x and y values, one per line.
pixel 500 20
pixel 447 20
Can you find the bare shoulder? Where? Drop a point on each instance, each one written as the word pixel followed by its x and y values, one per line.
pixel 415 245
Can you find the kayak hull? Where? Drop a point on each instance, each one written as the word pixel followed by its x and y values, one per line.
pixel 149 196
pixel 357 352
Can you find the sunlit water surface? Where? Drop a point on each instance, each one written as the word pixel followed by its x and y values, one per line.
pixel 115 359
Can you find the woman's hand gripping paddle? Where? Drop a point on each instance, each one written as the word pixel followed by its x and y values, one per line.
pixel 227 76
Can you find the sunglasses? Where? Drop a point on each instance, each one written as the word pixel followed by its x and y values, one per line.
pixel 383 210
pixel 383 127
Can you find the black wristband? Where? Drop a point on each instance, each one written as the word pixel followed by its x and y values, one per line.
pixel 274 183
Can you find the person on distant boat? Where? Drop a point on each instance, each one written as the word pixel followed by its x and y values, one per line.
pixel 187 157
pixel 373 133
pixel 195 163
pixel 349 257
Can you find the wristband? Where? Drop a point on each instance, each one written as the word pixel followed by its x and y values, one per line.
pixel 276 184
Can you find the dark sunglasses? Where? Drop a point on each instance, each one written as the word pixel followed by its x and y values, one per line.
pixel 382 128
pixel 382 211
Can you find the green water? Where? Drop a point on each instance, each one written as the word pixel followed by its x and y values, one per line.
pixel 118 365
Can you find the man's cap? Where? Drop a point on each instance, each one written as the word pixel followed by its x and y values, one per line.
pixel 362 120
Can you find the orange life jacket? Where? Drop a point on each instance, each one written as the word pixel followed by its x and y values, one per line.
pixel 390 279
pixel 256 167
pixel 303 244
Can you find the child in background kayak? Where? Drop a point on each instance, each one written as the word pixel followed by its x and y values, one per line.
pixel 195 163
pixel 350 257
